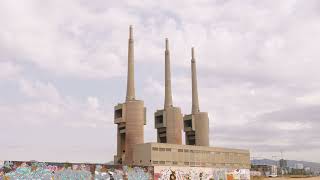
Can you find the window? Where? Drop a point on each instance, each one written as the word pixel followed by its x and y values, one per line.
pixel 162 149
pixel 180 150
pixel 168 149
pixel 162 162
pixel 118 113
pixel 175 162
pixel 186 150
pixel 155 162
pixel 159 119
pixel 163 139
pixel 155 149
pixel 188 123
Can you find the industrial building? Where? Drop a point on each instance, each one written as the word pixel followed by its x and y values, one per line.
pixel 196 124
pixel 155 154
pixel 168 121
pixel 130 118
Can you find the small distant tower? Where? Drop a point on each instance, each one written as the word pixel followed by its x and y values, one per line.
pixel 196 124
pixel 168 121
pixel 130 116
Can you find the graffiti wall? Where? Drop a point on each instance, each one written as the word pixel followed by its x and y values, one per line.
pixel 199 173
pixel 123 172
pixel 11 170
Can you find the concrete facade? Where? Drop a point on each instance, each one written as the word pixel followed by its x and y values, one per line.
pixel 130 116
pixel 161 154
pixel 196 124
pixel 168 121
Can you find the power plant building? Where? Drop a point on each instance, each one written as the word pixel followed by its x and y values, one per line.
pixel 168 121
pixel 168 158
pixel 130 118
pixel 196 124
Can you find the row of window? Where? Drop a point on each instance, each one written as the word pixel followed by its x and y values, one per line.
pixel 161 149
pixel 193 151
pixel 197 163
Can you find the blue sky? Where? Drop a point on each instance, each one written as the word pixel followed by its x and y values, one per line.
pixel 63 68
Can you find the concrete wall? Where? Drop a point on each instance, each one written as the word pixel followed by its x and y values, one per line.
pixel 134 127
pixel 174 125
pixel 184 155
pixel 171 127
pixel 197 173
pixel 201 120
pixel 130 129
pixel 49 170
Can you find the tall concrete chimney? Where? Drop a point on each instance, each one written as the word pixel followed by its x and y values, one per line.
pixel 168 121
pixel 196 124
pixel 195 99
pixel 168 92
pixel 130 75
pixel 130 116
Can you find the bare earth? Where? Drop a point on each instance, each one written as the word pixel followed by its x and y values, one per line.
pixel 286 178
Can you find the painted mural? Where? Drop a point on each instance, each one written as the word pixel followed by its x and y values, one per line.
pixel 15 170
pixel 199 173
pixel 123 172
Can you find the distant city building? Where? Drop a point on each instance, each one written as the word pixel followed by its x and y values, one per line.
pixel 307 170
pixel 283 163
pixel 298 166
pixel 265 170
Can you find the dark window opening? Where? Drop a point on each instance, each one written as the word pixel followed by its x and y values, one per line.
pixel 159 119
pixel 188 123
pixel 192 142
pixel 163 139
pixel 118 113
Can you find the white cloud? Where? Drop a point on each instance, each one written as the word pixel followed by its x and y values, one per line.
pixel 40 90
pixel 253 59
pixel 66 41
pixel 54 116
pixel 9 70
pixel 309 99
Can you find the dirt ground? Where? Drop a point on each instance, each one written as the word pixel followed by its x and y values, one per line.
pixel 287 178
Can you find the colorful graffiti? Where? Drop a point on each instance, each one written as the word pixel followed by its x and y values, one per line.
pixel 123 172
pixel 11 170
pixel 199 173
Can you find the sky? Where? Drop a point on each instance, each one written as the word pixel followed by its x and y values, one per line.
pixel 63 69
